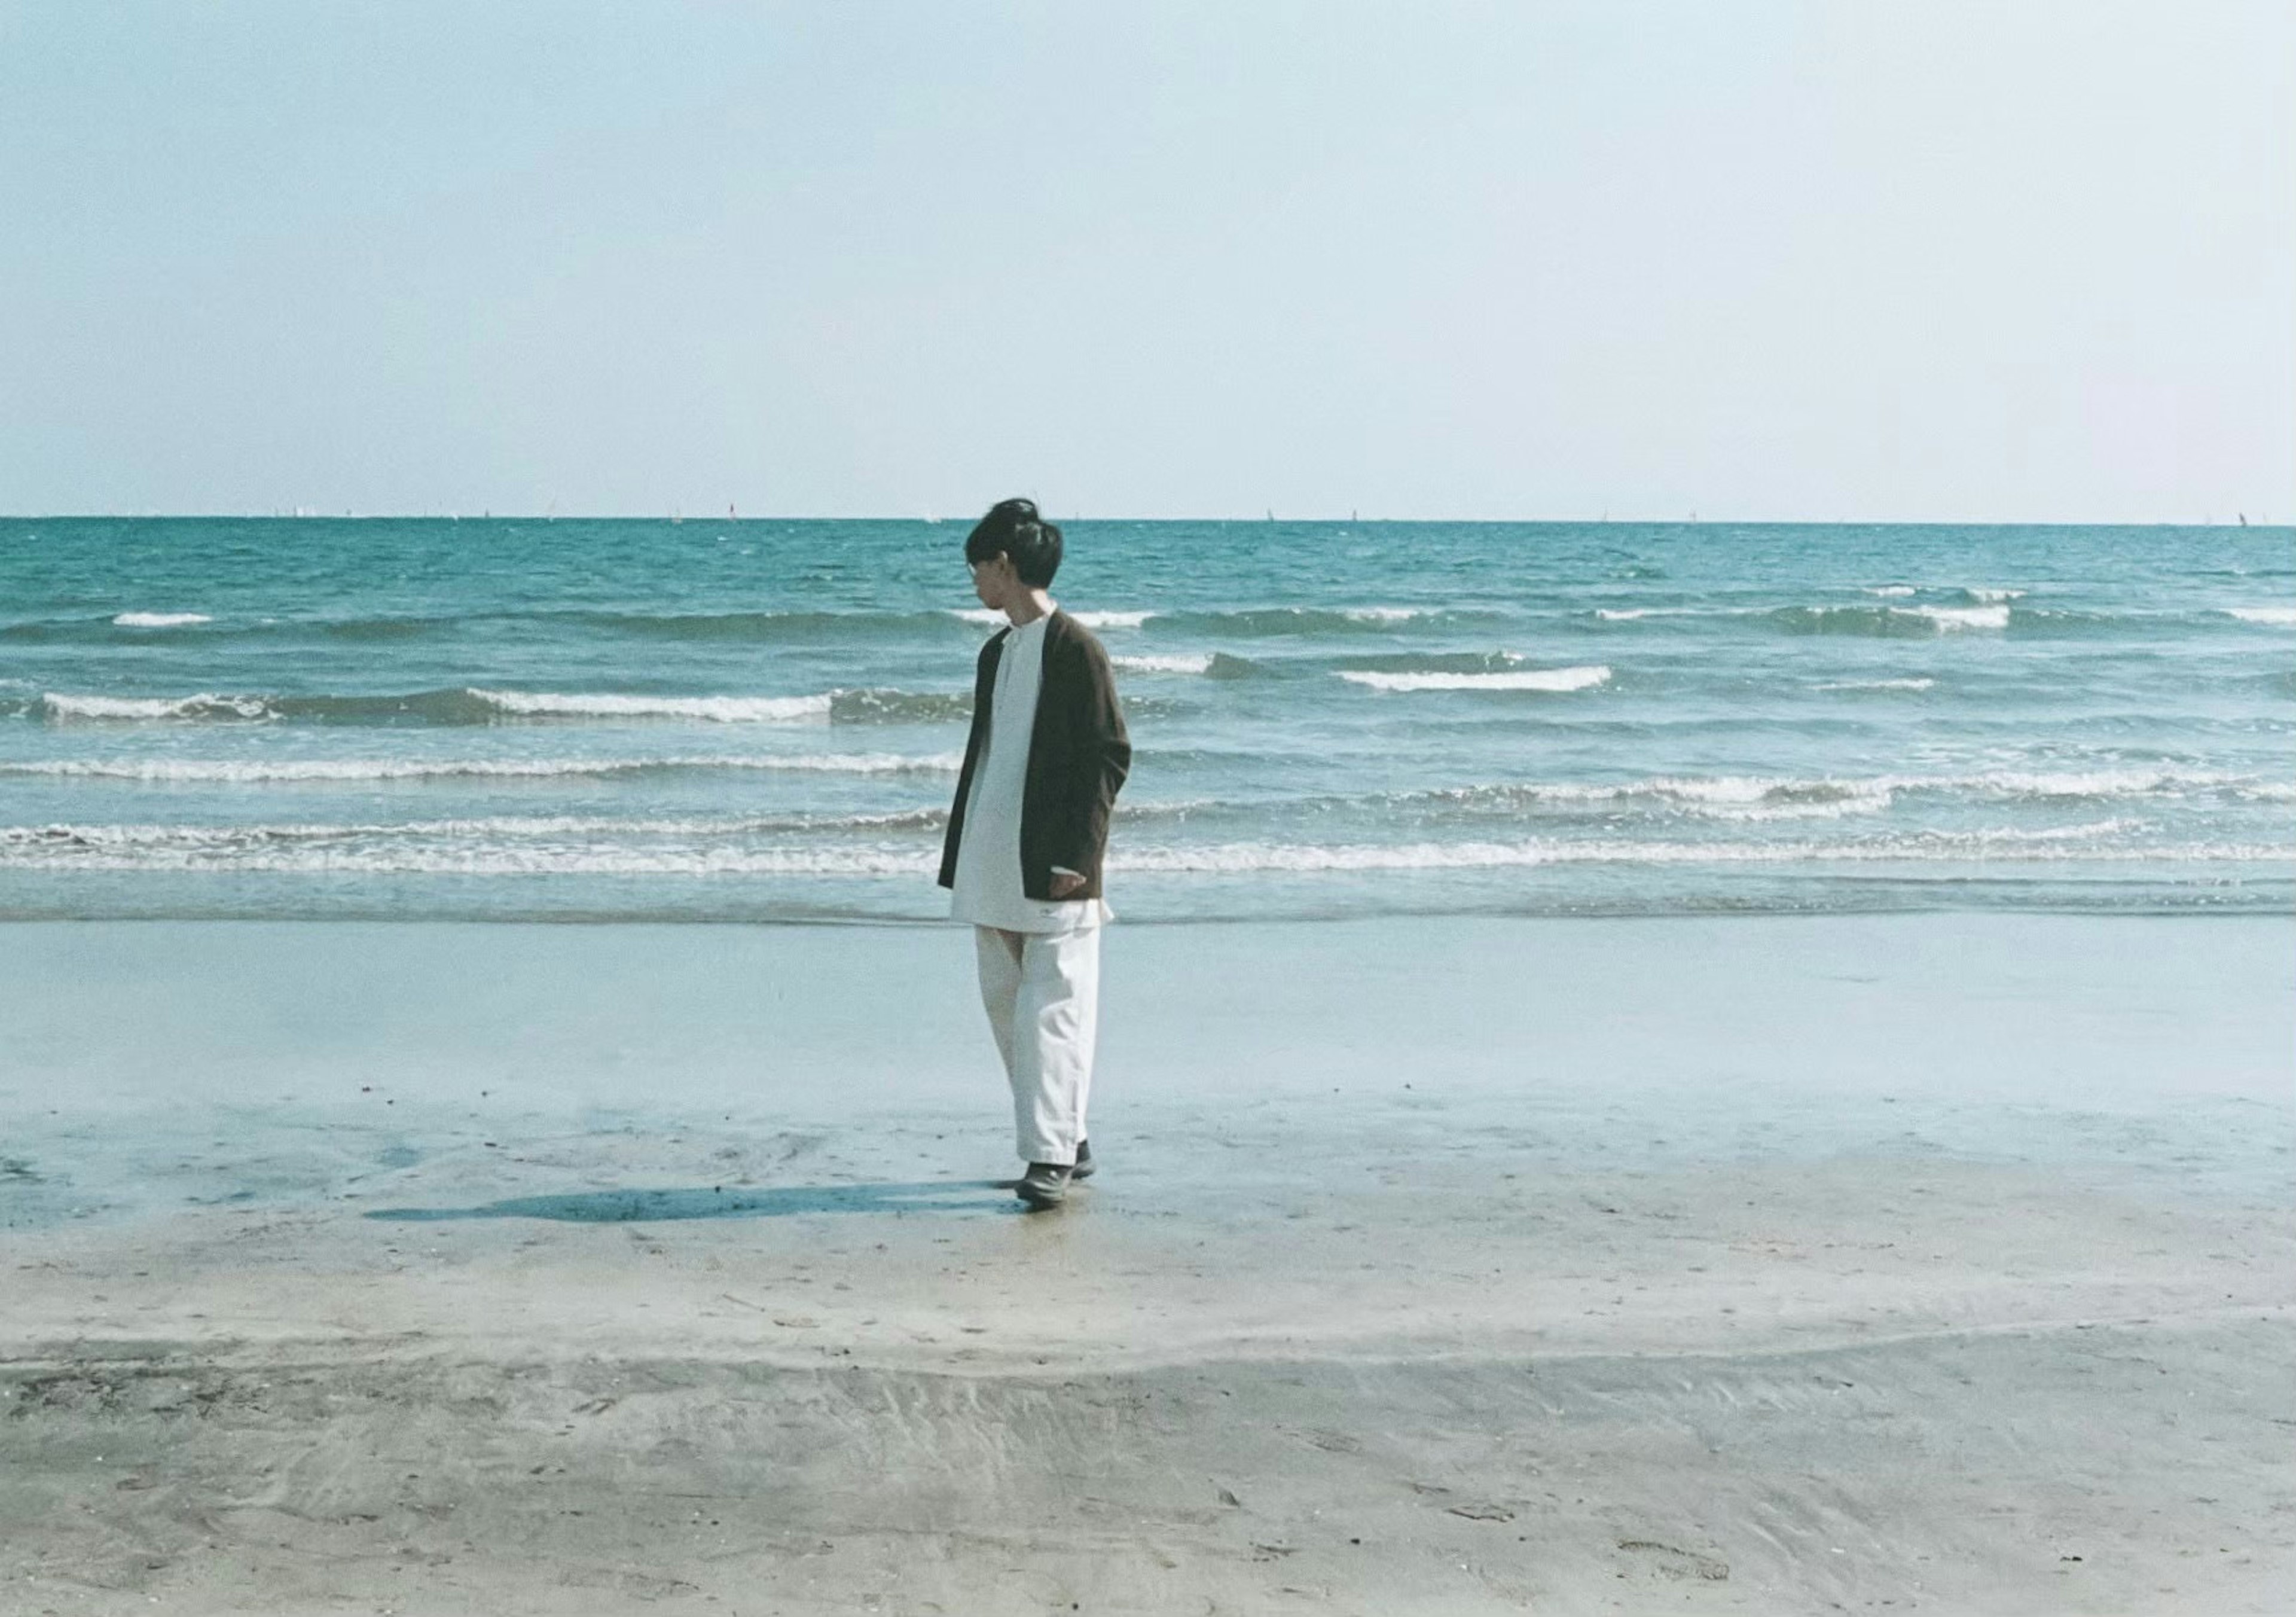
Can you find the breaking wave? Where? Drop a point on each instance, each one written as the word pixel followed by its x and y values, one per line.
pixel 1533 679
pixel 1178 663
pixel 723 709
pixel 470 705
pixel 159 619
pixel 252 770
pixel 1888 621
pixel 988 618
pixel 915 861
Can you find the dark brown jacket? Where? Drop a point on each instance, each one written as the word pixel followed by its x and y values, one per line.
pixel 1078 756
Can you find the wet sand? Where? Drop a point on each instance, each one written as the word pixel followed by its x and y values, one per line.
pixel 1935 1264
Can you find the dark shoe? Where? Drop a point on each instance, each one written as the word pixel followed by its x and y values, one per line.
pixel 1045 1185
pixel 1084 1162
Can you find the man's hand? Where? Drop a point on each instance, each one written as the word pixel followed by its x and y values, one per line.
pixel 1067 884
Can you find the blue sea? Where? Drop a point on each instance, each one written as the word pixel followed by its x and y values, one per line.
pixel 762 719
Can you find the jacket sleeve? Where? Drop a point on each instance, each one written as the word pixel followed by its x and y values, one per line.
pixel 1101 752
pixel 983 677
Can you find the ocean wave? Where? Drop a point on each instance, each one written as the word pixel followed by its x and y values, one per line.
pixel 159 619
pixel 203 705
pixel 595 859
pixel 723 709
pixel 797 626
pixel 1891 591
pixel 862 707
pixel 1200 662
pixel 1240 858
pixel 1917 683
pixel 467 705
pixel 1533 679
pixel 1433 663
pixel 2278 616
pixel 989 619
pixel 252 771
pixel 1284 621
pixel 915 862
pixel 133 628
pixel 1888 621
pixel 64 839
pixel 1781 797
pixel 1963 617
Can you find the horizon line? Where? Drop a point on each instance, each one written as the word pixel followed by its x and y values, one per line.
pixel 2239 520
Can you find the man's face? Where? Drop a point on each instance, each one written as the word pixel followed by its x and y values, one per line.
pixel 993 581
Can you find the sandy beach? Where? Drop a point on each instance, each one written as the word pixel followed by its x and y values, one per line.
pixel 1920 1263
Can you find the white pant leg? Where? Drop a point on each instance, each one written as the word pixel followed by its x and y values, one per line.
pixel 999 954
pixel 1055 1021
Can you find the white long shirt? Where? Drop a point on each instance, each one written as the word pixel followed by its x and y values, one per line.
pixel 987 890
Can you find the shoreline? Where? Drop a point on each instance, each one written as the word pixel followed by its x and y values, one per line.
pixel 1433 1267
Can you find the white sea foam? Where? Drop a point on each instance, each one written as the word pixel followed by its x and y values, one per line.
pixel 1943 620
pixel 1931 847
pixel 724 709
pixel 2279 617
pixel 541 860
pixel 1917 684
pixel 1951 618
pixel 67 840
pixel 1229 859
pixel 1387 614
pixel 2097 784
pixel 204 705
pixel 1875 800
pixel 254 771
pixel 1726 794
pixel 1177 664
pixel 159 619
pixel 1531 679
pixel 1993 597
pixel 1891 591
pixel 990 618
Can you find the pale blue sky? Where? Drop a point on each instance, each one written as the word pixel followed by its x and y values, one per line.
pixel 2017 260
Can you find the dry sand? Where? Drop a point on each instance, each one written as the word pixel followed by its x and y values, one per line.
pixel 1412 1341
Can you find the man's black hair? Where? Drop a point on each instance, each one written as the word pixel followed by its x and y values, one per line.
pixel 1014 527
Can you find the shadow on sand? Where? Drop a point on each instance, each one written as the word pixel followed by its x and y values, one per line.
pixel 727 1202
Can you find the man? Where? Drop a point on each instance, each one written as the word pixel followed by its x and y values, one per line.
pixel 1026 834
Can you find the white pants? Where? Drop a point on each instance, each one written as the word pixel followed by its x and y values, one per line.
pixel 1042 993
